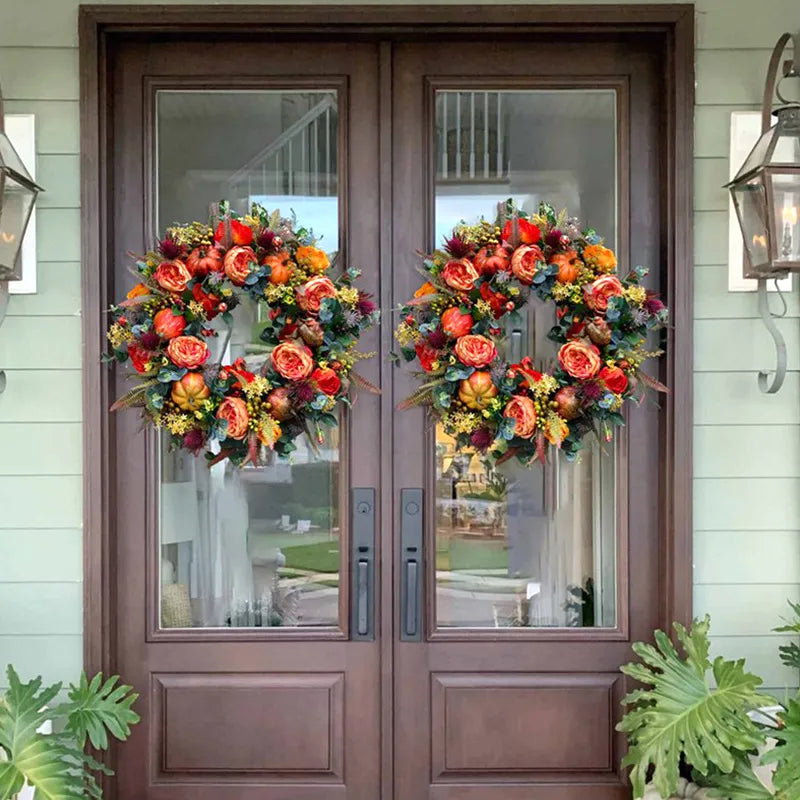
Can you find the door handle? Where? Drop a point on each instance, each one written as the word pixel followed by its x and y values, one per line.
pixel 411 586
pixel 362 580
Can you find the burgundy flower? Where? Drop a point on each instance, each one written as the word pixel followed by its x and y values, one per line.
pixel 194 440
pixel 304 392
pixel 149 340
pixel 553 238
pixel 365 306
pixel 592 392
pixel 170 249
pixel 266 239
pixel 438 339
pixel 481 439
pixel 653 305
pixel 457 247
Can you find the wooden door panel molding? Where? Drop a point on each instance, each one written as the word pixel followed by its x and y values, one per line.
pixel 539 723
pixel 296 732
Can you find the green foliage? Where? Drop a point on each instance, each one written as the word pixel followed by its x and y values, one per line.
pixel 55 764
pixel 787 754
pixel 740 784
pixel 681 712
pixel 790 653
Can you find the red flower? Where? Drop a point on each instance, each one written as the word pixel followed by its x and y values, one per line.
pixel 241 234
pixel 455 323
pixel 528 232
pixel 496 301
pixel 426 355
pixel 208 300
pixel 139 356
pixel 327 381
pixel 525 368
pixel 614 378
pixel 239 369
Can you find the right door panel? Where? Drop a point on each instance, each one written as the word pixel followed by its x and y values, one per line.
pixel 536 580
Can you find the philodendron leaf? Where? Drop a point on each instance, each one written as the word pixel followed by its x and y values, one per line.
pixel 680 711
pixel 96 707
pixel 31 755
pixel 787 754
pixel 741 784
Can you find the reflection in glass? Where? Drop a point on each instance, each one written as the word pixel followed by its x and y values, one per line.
pixel 260 546
pixel 516 546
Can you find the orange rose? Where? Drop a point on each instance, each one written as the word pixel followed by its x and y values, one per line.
pixel 189 392
pixel 521 409
pixel 172 275
pixel 426 289
pixel 167 324
pixel 237 264
pixel 327 381
pixel 311 294
pixel 579 359
pixel 292 360
pixel 475 350
pixel 138 291
pixel 234 411
pixel 601 258
pixel 524 260
pixel 596 295
pixel 312 257
pixel 187 351
pixel 460 275
pixel 455 323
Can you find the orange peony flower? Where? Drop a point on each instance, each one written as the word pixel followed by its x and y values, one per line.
pixel 601 258
pixel 580 359
pixel 596 295
pixel 327 380
pixel 167 324
pixel 237 263
pixel 190 391
pixel 292 360
pixel 475 350
pixel 187 351
pixel 524 260
pixel 138 291
pixel 312 257
pixel 172 275
pixel 521 409
pixel 311 294
pixel 460 275
pixel 426 289
pixel 234 411
pixel 455 323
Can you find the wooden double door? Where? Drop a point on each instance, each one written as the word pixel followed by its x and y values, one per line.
pixel 387 617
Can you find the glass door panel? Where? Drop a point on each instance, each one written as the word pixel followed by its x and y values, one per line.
pixel 259 547
pixel 519 547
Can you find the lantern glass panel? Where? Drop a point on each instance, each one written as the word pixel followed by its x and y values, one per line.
pixel 751 207
pixel 786 215
pixel 759 154
pixel 9 159
pixel 17 203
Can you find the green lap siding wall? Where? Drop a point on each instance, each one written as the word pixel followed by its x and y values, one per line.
pixel 747 446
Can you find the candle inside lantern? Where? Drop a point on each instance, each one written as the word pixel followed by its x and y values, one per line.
pixel 790 240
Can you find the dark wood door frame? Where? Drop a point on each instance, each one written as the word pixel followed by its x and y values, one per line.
pixel 671 29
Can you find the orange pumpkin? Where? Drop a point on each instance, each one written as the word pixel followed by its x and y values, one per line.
pixel 189 392
pixel 202 262
pixel 489 260
pixel 476 391
pixel 568 266
pixel 280 267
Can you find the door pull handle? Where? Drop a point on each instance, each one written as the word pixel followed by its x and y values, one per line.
pixel 362 579
pixel 411 586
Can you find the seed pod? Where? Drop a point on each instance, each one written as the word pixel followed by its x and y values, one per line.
pixel 311 332
pixel 280 404
pixel 599 332
pixel 567 402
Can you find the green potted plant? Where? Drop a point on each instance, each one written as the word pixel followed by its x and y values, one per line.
pixel 709 717
pixel 57 765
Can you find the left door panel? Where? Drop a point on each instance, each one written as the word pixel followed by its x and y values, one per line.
pixel 232 587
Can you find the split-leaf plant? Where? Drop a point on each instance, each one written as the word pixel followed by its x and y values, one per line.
pixel 57 764
pixel 709 715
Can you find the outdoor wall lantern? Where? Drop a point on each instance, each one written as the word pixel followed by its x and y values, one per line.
pixel 766 195
pixel 17 195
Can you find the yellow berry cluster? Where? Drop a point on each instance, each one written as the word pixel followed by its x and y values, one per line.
pixel 636 295
pixel 457 422
pixel 195 234
pixel 176 423
pixel 406 334
pixel 479 235
pixel 117 335
pixel 256 387
pixel 348 295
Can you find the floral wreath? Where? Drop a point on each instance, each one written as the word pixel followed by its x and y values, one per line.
pixel 455 324
pixel 190 285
